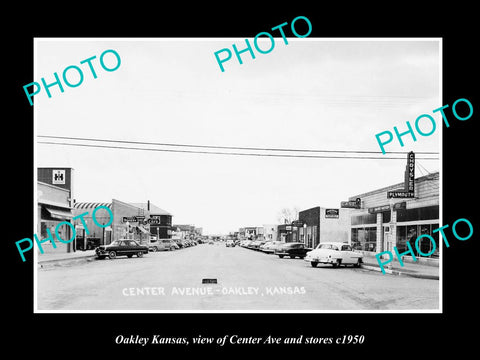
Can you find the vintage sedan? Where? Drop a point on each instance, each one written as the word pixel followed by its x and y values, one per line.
pixel 270 246
pixel 293 249
pixel 162 245
pixel 156 245
pixel 123 247
pixel 335 253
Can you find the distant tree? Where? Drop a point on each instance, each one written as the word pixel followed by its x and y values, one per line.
pixel 286 216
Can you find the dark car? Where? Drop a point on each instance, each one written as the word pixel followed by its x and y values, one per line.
pixel 122 247
pixel 180 243
pixel 293 249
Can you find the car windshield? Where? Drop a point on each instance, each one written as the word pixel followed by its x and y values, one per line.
pixel 294 246
pixel 115 243
pixel 327 246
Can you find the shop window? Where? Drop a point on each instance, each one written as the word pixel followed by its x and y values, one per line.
pixel 364 239
pixel 401 239
pixel 436 254
pixel 412 235
pixel 425 244
pixel 371 239
pixel 355 243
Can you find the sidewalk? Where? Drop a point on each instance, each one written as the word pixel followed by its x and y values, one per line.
pixel 408 269
pixel 61 259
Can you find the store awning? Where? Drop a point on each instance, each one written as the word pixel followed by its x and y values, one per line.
pixel 59 214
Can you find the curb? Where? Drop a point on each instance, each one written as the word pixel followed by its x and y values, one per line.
pixel 400 273
pixel 45 264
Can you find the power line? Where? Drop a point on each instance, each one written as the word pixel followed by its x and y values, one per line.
pixel 226 147
pixel 231 153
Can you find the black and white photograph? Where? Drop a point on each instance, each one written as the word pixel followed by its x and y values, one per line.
pixel 294 180
pixel 182 187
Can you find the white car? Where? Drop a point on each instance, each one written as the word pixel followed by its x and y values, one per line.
pixel 335 253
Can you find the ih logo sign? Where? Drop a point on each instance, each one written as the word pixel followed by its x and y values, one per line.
pixel 58 177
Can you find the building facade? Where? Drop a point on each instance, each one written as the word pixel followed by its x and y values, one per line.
pixel 250 232
pixel 184 231
pixel 160 220
pixel 319 224
pixel 270 232
pixel 380 222
pixel 129 222
pixel 53 207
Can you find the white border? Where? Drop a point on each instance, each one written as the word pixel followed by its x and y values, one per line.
pixel 35 217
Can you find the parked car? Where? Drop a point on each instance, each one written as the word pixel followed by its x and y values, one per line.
pixel 255 244
pixel 169 244
pixel 293 249
pixel 121 247
pixel 335 253
pixel 258 243
pixel 246 243
pixel 156 245
pixel 230 243
pixel 270 246
pixel 252 244
pixel 179 243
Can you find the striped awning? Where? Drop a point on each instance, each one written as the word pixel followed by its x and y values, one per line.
pixel 91 205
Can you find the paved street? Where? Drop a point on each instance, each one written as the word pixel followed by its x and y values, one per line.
pixel 247 280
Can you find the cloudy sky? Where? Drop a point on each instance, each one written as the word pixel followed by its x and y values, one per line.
pixel 317 94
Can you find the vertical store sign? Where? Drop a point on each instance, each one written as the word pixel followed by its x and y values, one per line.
pixel 409 187
pixel 411 172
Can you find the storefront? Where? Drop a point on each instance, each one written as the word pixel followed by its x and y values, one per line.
pixel 129 222
pixel 53 207
pixel 160 221
pixel 395 215
pixel 321 224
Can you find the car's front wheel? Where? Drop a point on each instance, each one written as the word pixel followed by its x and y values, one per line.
pixel 140 254
pixel 280 256
pixel 112 254
pixel 359 263
pixel 154 249
pixel 314 263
